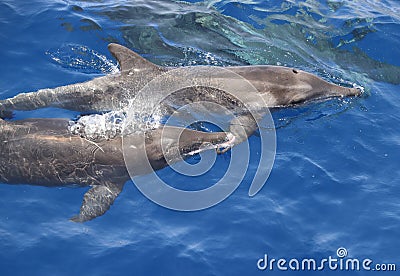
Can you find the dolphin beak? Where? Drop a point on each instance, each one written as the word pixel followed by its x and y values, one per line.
pixel 356 91
pixel 347 91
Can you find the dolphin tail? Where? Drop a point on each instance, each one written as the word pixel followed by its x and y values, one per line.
pixel 63 96
pixel 5 114
pixel 97 201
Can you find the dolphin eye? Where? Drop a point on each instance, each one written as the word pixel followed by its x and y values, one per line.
pixel 295 71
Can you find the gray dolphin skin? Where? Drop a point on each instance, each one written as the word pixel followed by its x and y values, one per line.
pixel 43 152
pixel 279 86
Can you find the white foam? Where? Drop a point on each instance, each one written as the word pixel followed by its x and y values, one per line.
pixel 112 124
pixel 96 126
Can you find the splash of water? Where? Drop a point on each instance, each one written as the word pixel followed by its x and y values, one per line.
pixel 98 126
pixel 113 124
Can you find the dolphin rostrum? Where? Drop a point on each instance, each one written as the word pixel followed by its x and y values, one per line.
pixel 43 152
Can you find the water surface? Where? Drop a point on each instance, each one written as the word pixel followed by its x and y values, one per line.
pixel 335 178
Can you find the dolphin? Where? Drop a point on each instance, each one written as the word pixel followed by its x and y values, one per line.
pixel 44 152
pixel 279 87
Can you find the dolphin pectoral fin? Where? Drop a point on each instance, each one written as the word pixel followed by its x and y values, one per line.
pixel 97 201
pixel 129 60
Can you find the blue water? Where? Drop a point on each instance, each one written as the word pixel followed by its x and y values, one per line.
pixel 335 180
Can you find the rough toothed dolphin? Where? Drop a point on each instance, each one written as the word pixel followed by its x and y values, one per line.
pixel 278 86
pixel 43 152
pixel 32 148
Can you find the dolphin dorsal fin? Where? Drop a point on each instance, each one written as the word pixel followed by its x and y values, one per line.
pixel 129 60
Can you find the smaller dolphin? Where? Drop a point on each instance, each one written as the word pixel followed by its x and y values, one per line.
pixel 43 152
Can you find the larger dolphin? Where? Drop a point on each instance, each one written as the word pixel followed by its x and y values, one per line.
pixel 43 152
pixel 278 86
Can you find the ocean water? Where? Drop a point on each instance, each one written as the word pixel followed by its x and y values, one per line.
pixel 335 179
